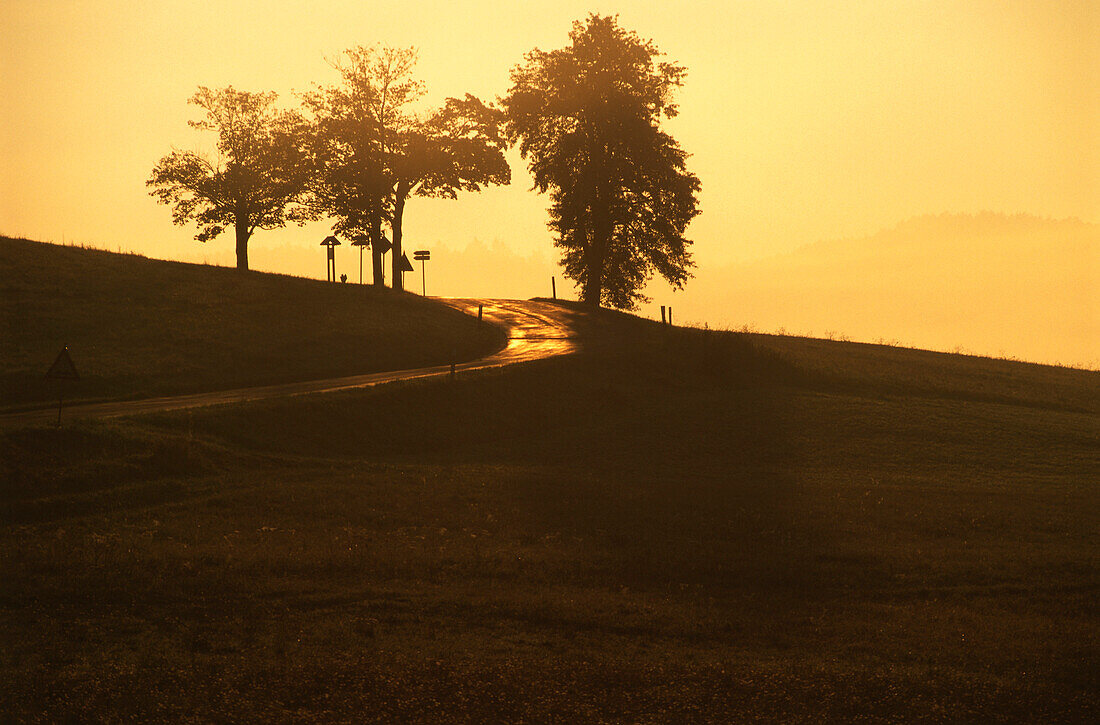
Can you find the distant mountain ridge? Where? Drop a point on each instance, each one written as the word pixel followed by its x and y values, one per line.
pixel 974 228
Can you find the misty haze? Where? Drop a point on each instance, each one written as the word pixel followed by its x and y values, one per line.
pixel 984 284
pixel 541 362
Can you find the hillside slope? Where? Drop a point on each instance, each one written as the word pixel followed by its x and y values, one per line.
pixel 139 327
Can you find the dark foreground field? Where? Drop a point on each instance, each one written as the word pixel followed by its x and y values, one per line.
pixel 675 526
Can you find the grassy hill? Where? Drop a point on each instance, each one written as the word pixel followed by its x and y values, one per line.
pixel 140 327
pixel 674 526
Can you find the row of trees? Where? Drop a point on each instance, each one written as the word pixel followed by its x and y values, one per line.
pixel 586 118
pixel 357 156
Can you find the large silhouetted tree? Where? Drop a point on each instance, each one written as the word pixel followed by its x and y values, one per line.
pixel 257 181
pixel 587 118
pixel 357 123
pixel 458 148
pixel 375 151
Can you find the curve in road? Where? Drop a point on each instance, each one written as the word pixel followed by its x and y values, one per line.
pixel 536 330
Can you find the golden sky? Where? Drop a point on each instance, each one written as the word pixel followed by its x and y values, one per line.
pixel 806 120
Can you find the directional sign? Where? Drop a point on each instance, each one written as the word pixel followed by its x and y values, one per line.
pixel 422 254
pixel 330 244
pixel 406 265
pixel 62 368
pixel 362 241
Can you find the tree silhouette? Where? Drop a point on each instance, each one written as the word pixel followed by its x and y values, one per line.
pixel 259 179
pixel 356 124
pixel 375 151
pixel 458 148
pixel 587 120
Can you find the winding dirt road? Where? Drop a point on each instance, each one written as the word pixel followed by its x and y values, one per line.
pixel 536 330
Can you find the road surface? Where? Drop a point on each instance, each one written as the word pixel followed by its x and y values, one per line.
pixel 536 330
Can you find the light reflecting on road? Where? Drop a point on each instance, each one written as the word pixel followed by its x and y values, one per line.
pixel 536 330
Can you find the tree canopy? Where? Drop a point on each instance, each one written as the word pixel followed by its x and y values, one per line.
pixel 587 120
pixel 459 147
pixel 375 151
pixel 259 179
pixel 355 124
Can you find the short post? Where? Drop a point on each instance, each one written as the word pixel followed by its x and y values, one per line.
pixel 454 356
pixel 60 400
pixel 662 314
pixel 479 310
pixel 670 315
pixel 553 288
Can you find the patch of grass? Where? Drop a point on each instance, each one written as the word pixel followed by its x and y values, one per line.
pixel 885 369
pixel 139 327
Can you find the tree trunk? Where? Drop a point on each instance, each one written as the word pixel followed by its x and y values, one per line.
pixel 593 280
pixel 599 240
pixel 395 229
pixel 599 230
pixel 240 224
pixel 375 240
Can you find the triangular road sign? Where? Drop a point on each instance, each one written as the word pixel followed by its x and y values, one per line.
pixel 62 368
pixel 406 265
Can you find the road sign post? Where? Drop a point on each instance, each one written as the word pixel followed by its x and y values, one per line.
pixel 423 255
pixel 404 266
pixel 362 241
pixel 382 246
pixel 61 371
pixel 330 242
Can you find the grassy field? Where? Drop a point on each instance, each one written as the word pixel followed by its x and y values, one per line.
pixel 139 327
pixel 674 526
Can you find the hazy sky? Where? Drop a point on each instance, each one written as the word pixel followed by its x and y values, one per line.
pixel 806 120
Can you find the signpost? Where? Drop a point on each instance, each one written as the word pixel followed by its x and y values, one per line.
pixel 362 241
pixel 384 245
pixel 62 370
pixel 331 243
pixel 423 255
pixel 406 266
